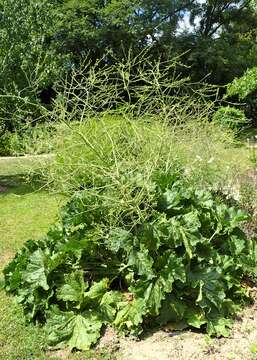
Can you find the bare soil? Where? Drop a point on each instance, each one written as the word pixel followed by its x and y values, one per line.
pixel 5 257
pixel 185 345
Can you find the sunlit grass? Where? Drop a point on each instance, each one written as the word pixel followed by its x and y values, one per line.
pixel 26 212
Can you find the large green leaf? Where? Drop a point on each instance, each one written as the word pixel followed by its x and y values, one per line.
pixel 96 291
pixel 130 314
pixel 74 288
pixel 172 310
pixel 237 244
pixel 141 261
pixel 195 316
pixel 153 291
pixel 171 199
pixel 170 268
pixel 210 286
pixel 117 239
pixel 36 272
pixel 219 326
pixel 78 331
pixel 109 305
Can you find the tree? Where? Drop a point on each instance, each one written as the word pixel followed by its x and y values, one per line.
pixel 96 25
pixel 222 43
pixel 29 62
pixel 50 37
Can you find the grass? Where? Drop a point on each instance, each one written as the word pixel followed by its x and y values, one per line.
pixel 24 216
pixel 18 341
pixel 11 166
pixel 25 212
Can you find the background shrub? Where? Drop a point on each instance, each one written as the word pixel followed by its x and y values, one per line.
pixel 88 151
pixel 230 117
pixel 30 140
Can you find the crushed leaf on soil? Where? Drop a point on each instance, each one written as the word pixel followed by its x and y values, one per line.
pixel 185 345
pixel 181 345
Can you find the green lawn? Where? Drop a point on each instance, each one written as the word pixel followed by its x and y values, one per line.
pixel 26 211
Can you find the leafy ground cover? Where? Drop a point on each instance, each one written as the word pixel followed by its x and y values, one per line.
pixel 19 202
pixel 25 212
pixel 20 341
pixel 103 266
pixel 22 204
pixel 137 245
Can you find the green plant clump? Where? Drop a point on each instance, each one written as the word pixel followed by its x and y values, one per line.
pixel 29 140
pixel 244 85
pixel 230 117
pixel 183 262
